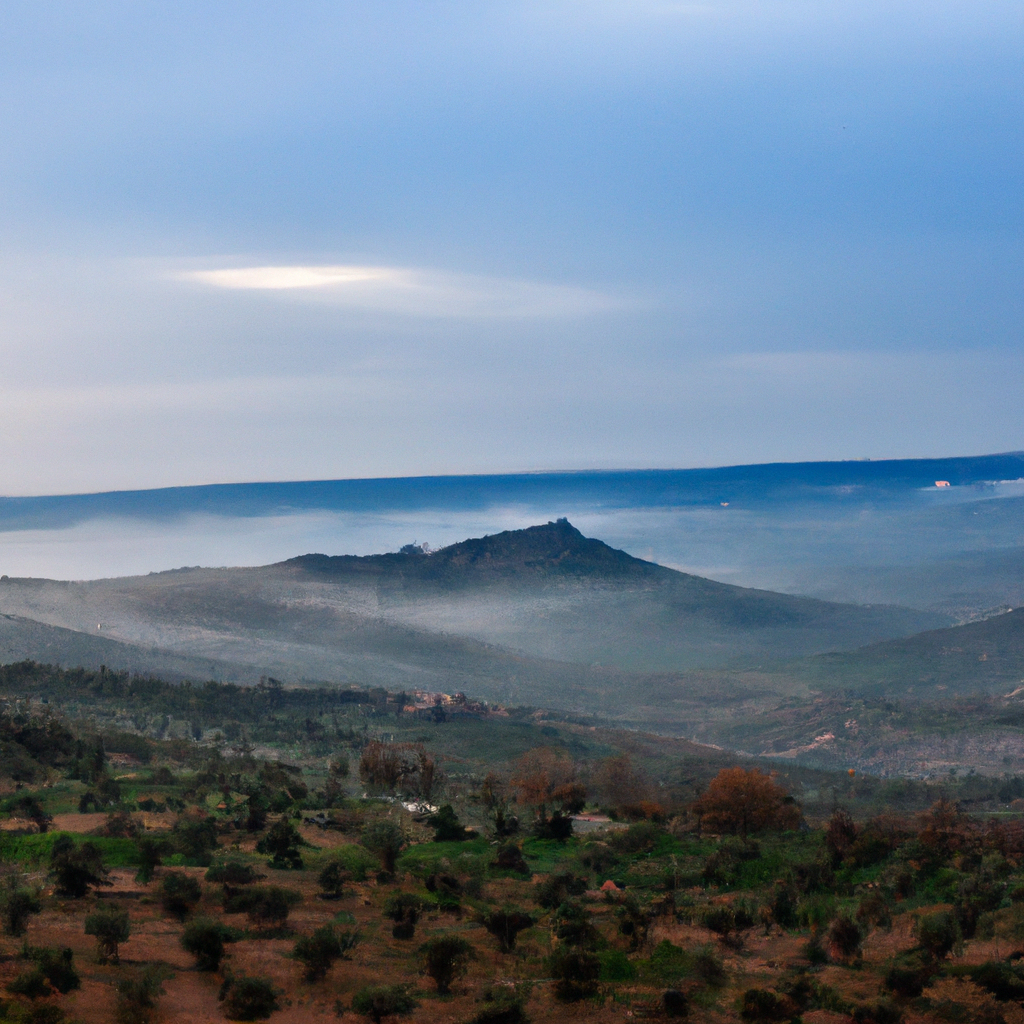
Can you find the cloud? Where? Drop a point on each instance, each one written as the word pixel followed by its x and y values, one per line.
pixel 408 291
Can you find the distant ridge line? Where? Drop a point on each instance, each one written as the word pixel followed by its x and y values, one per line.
pixel 637 488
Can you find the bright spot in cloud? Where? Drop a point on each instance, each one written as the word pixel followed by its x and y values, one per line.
pixel 410 291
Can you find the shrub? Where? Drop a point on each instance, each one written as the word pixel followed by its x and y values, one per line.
pixel 641 837
pixel 502 1005
pixel 840 835
pixel 74 869
pixel 510 858
pixel 111 926
pixel 445 958
pixel 31 983
pixel 675 1003
pixel 137 996
pixel 742 802
pixel 616 966
pixel 282 844
pixel 882 1012
pixel 404 909
pixel 937 933
pixel 204 939
pixel 447 827
pixel 844 938
pixel 558 827
pixel 55 965
pixel 385 839
pixel 17 904
pixel 505 925
pixel 576 972
pixel 380 1001
pixel 556 889
pixel 179 893
pixel 634 921
pixel 249 998
pixel 332 879
pixel 319 950
pixel 233 873
pixel 760 1006
pixel 194 838
pixel 574 926
pixel 266 906
pixel 150 858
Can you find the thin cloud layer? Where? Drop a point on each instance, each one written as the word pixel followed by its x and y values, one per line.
pixel 409 292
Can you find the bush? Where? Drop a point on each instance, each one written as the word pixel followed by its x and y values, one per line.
pixel 17 904
pixel 447 827
pixel 282 844
pixel 380 1001
pixel 151 853
pixel 761 1006
pixel 385 839
pixel 404 909
pixel 576 972
pixel 31 983
pixel 675 1003
pixel 194 838
pixel 75 869
pixel 502 1005
pixel 641 837
pixel 111 926
pixel 556 889
pixel 249 998
pixel 445 958
pixel 574 926
pixel 204 939
pixel 505 925
pixel 55 965
pixel 266 906
pixel 319 950
pixel 179 893
pixel 332 879
pixel 510 858
pixel 844 938
pixel 937 933
pixel 233 873
pixel 137 996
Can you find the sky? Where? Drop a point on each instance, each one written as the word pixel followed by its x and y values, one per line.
pixel 255 241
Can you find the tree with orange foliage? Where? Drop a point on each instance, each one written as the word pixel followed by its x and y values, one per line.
pixel 746 801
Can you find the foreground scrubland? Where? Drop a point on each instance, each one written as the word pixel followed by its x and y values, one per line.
pixel 297 856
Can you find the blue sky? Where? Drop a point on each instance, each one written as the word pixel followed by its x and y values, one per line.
pixel 244 241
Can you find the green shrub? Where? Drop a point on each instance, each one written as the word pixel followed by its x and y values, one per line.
pixel 332 879
pixel 937 933
pixel 759 1006
pixel 447 827
pixel 266 906
pixel 385 839
pixel 204 939
pixel 576 973
pixel 319 950
pixel 179 893
pixel 380 1001
pixel 75 869
pixel 844 937
pixel 445 958
pixel 249 998
pixel 616 966
pixel 675 1003
pixel 505 925
pixel 233 873
pixel 137 996
pixel 404 909
pixel 282 844
pixel 554 890
pixel 194 838
pixel 502 1005
pixel 17 904
pixel 111 926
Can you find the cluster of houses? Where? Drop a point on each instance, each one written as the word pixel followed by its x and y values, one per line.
pixel 442 706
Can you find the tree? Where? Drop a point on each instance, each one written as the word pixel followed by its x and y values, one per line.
pixel 266 906
pixel 840 835
pixel 319 950
pixel 385 839
pixel 332 879
pixel 17 903
pixel 53 969
pixel 179 893
pixel 249 998
pixel 380 1001
pixel 446 825
pixel 195 837
pixel 111 926
pixel 137 996
pixel 282 844
pixel 937 933
pixel 150 858
pixel 404 909
pixel 445 958
pixel 74 869
pixel 742 802
pixel 204 939
pixel 233 873
pixel 575 971
pixel 403 769
pixel 505 925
